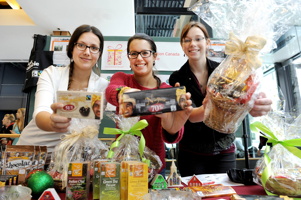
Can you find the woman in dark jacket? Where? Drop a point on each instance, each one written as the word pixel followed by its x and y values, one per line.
pixel 203 150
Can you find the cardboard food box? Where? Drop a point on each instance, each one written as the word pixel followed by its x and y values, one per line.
pixel 134 180
pixel 110 181
pixel 78 181
pixel 80 104
pixel 150 102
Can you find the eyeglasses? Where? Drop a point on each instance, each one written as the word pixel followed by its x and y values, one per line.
pixel 83 47
pixel 144 54
pixel 187 41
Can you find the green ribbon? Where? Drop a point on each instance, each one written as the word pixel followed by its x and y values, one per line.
pixel 134 130
pixel 290 145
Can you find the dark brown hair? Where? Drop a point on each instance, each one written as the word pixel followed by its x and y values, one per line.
pixel 191 24
pixel 143 36
pixel 76 34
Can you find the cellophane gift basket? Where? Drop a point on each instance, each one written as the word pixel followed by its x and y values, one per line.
pixel 130 143
pixel 81 144
pixel 279 170
pixel 251 28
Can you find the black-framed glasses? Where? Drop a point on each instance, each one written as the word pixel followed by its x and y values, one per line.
pixel 83 47
pixel 188 40
pixel 144 54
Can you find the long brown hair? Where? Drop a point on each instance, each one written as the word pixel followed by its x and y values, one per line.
pixel 20 121
pixel 77 33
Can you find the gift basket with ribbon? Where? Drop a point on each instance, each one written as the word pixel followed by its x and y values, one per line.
pixel 130 144
pixel 251 28
pixel 279 170
pixel 81 144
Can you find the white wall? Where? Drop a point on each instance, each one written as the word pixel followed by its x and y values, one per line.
pixel 113 18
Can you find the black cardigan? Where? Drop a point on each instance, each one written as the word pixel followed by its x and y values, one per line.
pixel 198 137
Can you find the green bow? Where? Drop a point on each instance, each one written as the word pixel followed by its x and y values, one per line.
pixel 134 130
pixel 290 145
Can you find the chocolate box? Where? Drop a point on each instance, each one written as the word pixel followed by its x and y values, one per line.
pixel 150 102
pixel 80 104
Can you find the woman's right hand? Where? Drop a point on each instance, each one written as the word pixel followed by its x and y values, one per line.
pixel 57 122
pixel 52 121
pixel 126 108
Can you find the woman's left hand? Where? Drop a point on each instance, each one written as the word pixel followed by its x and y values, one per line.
pixel 262 105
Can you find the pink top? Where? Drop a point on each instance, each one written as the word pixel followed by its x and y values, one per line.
pixel 154 134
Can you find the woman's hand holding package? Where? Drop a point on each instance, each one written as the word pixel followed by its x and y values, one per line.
pixel 172 122
pixel 262 105
pixel 53 122
pixel 123 108
pixel 198 113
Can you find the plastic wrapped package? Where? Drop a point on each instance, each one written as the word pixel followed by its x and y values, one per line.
pixel 80 145
pixel 14 192
pixel 279 170
pixel 251 28
pixel 232 85
pixel 171 195
pixel 130 145
pixel 269 19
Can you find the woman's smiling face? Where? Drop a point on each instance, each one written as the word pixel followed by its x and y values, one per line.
pixel 84 59
pixel 195 44
pixel 141 66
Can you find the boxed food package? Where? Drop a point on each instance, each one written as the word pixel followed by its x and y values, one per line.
pixel 134 180
pixel 81 104
pixel 18 161
pixel 150 102
pixel 96 177
pixel 78 181
pixel 110 181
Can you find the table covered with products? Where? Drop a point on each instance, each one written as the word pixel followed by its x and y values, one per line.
pixel 241 190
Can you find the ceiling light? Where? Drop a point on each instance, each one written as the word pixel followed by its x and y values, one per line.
pixel 13 4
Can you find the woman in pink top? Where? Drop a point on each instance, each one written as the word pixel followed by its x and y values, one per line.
pixel 166 127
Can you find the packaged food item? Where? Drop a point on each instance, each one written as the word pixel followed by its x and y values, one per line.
pixel 81 104
pixel 42 157
pixel 232 85
pixel 251 31
pixel 78 181
pixel 130 145
pixel 81 144
pixel 96 177
pixel 279 170
pixel 8 180
pixel 150 102
pixel 110 181
pixel 134 180
pixel 18 161
pixel 213 190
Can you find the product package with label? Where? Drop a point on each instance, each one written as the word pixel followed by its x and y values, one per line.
pixel 81 104
pixel 150 102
